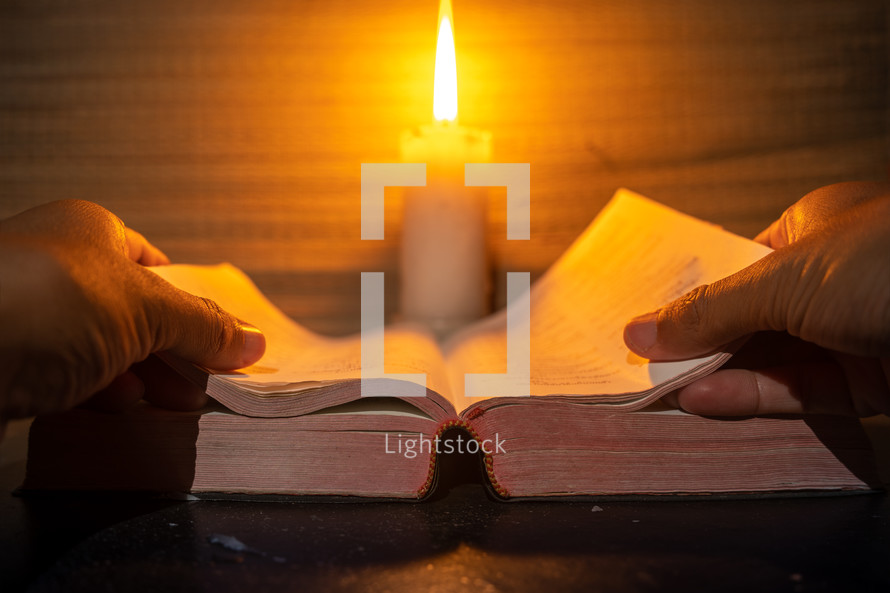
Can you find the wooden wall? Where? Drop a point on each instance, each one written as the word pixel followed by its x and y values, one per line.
pixel 234 130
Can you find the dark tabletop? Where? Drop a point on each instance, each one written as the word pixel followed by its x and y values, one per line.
pixel 458 541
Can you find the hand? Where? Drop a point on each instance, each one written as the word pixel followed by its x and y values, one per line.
pixel 824 298
pixel 78 308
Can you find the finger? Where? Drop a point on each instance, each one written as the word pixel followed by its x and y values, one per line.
pixel 166 388
pixel 773 235
pixel 70 220
pixel 142 252
pixel 123 392
pixel 768 349
pixel 813 388
pixel 198 330
pixel 710 316
pixel 818 209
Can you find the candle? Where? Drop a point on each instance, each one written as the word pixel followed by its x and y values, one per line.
pixel 444 266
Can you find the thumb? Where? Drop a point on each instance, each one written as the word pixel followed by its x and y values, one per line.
pixel 713 315
pixel 197 329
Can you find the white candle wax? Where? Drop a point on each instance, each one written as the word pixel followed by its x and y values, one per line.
pixel 445 282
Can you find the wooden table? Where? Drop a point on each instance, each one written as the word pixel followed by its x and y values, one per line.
pixel 458 541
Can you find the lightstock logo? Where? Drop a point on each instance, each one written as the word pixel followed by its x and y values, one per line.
pixel 375 382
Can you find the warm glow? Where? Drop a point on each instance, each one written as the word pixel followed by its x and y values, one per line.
pixel 445 85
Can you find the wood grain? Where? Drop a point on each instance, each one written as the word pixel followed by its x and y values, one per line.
pixel 231 130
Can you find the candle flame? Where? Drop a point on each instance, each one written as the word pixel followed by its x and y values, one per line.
pixel 445 84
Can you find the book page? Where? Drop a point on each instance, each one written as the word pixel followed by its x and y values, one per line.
pixel 296 358
pixel 634 257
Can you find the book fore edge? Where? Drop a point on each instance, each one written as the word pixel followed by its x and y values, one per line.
pixel 488 460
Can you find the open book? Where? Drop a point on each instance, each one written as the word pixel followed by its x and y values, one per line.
pixel 589 423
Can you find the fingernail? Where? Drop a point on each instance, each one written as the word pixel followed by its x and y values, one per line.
pixel 640 334
pixel 254 344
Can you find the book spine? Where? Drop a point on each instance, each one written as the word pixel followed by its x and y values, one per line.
pixel 487 460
